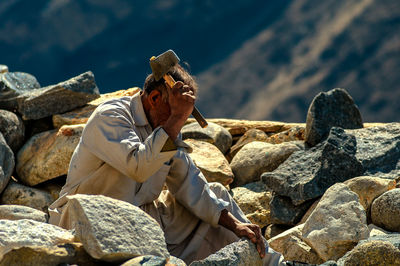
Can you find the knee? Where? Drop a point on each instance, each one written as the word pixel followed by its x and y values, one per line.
pixel 219 190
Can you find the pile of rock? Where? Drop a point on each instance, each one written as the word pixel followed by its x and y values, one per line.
pixel 319 190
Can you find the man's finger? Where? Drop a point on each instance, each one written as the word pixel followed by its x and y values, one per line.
pixel 260 242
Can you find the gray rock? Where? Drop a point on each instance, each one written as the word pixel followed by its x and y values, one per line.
pixel 114 230
pixel 308 174
pixel 334 108
pixel 3 69
pixel 7 163
pixel 385 210
pixel 18 194
pixel 13 84
pixel 18 212
pixel 337 224
pixel 242 252
pixel 393 238
pixel 284 212
pixel 258 157
pixel 31 234
pixel 59 98
pixel 150 260
pixel 378 148
pixel 13 129
pixel 213 133
pixel 374 252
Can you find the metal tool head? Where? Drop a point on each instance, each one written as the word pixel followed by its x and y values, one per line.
pixel 161 64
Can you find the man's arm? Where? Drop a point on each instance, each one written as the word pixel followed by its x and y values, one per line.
pixel 251 231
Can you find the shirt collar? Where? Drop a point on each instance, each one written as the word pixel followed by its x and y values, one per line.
pixel 137 110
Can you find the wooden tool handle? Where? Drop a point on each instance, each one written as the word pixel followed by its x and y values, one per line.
pixel 196 114
pixel 199 117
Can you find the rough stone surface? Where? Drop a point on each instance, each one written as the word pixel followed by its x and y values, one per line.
pixel 369 188
pixel 308 174
pixel 258 157
pixel 150 260
pixel 13 84
pixel 292 247
pixel 114 230
pixel 274 230
pixel 81 115
pixel 18 212
pixel 385 210
pixel 13 129
pixel 31 234
pixel 309 211
pixel 7 163
pixel 283 211
pixel 250 136
pixel 293 134
pixel 59 98
pixel 253 199
pixel 3 69
pixel 17 194
pixel 334 108
pixel 47 155
pixel 213 133
pixel 393 238
pixel 372 253
pixel 337 223
pixel 242 252
pixel 376 231
pixel 60 254
pixel 210 161
pixel 378 149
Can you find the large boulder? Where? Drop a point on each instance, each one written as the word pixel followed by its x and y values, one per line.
pixel 307 174
pixel 7 163
pixel 369 188
pixel 47 155
pixel 13 129
pixel 213 133
pixel 385 210
pixel 114 230
pixel 378 149
pixel 258 157
pixel 18 194
pixel 250 136
pixel 81 115
pixel 242 252
pixel 18 212
pixel 371 253
pixel 334 108
pixel 59 98
pixel 211 162
pixel 30 234
pixel 337 223
pixel 12 85
pixel 291 245
pixel 284 212
pixel 253 199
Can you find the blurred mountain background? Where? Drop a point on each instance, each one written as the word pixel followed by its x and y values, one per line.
pixel 253 59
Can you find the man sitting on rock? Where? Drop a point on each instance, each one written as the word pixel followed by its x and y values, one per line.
pixel 131 150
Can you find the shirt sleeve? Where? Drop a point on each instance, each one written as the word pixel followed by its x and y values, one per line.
pixel 190 188
pixel 110 135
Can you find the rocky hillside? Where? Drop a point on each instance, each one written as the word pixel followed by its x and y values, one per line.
pixel 255 59
pixel 324 192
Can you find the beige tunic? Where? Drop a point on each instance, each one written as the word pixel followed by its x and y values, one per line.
pixel 119 155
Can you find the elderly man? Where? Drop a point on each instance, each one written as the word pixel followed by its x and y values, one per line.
pixel 131 150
